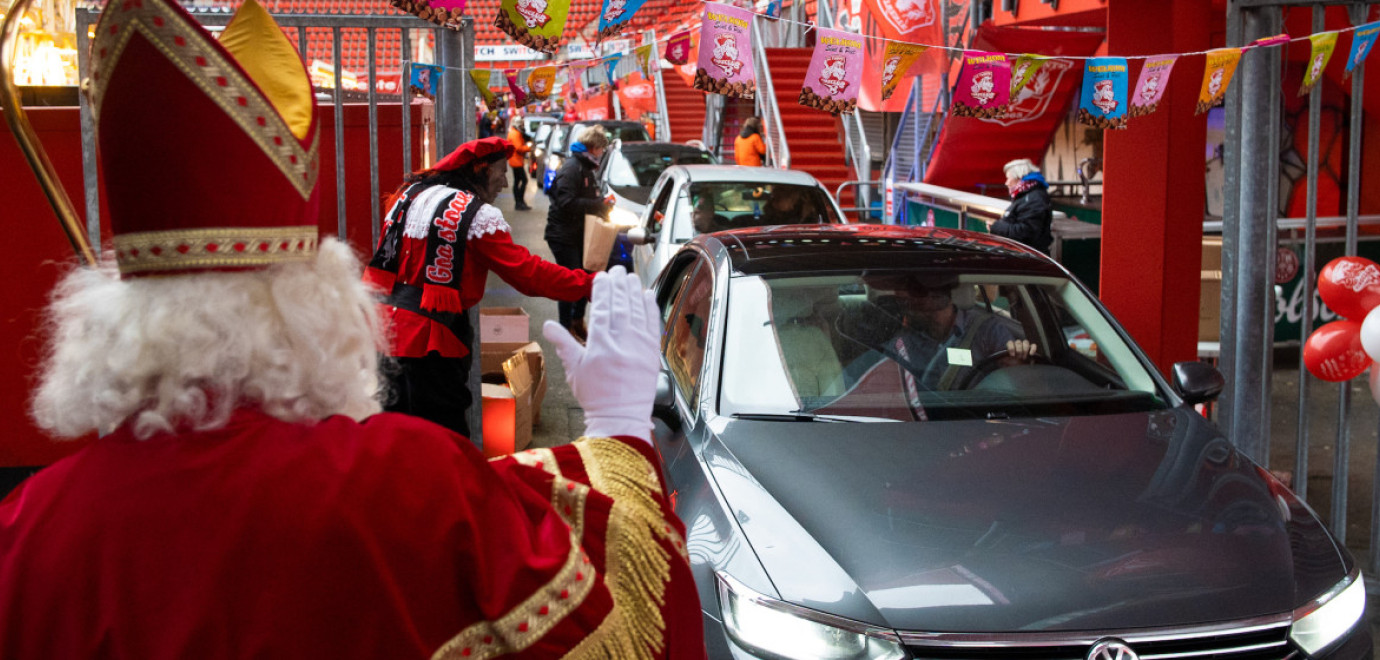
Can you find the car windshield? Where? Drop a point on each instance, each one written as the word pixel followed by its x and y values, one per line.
pixel 716 206
pixel 543 130
pixel 922 345
pixel 640 168
pixel 558 138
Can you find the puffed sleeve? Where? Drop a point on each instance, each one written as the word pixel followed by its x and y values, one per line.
pixel 491 244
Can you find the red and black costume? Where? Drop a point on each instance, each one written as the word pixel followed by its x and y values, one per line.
pixel 435 252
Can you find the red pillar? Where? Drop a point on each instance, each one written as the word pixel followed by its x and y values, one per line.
pixel 1153 185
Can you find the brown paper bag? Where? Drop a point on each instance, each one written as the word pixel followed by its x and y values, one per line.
pixel 599 237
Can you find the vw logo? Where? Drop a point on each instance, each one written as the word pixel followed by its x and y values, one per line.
pixel 1111 649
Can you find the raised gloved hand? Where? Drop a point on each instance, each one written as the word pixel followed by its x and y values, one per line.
pixel 613 375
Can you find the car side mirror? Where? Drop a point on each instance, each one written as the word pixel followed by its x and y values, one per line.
pixel 1197 382
pixel 664 405
pixel 640 236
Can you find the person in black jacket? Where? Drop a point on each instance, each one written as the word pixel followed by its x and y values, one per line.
pixel 1030 215
pixel 575 193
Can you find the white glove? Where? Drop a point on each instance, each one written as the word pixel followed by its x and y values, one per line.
pixel 613 375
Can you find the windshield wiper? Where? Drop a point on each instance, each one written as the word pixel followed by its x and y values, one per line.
pixel 793 417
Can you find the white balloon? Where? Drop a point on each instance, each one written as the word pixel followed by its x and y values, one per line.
pixel 1370 334
pixel 1374 380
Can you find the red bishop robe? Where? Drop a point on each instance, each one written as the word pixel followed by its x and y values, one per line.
pixel 390 538
pixel 489 247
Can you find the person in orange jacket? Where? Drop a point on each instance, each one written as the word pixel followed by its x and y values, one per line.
pixel 748 148
pixel 520 150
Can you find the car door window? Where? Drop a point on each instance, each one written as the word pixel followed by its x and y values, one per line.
pixel 657 214
pixel 677 274
pixel 687 331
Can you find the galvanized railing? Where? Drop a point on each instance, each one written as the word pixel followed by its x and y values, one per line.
pixel 773 132
pixel 663 122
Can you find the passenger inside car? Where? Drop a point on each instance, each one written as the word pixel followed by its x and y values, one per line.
pixel 803 337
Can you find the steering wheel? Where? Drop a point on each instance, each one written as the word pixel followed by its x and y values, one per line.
pixel 987 365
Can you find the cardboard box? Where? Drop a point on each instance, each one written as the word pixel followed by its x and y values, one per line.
pixel 503 325
pixel 508 409
pixel 493 355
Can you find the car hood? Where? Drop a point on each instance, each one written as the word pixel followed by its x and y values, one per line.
pixel 1083 523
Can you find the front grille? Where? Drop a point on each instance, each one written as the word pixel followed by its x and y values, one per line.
pixel 1260 639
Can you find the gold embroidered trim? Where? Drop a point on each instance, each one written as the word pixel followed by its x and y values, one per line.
pixel 183 249
pixel 188 49
pixel 542 459
pixel 637 567
pixel 538 614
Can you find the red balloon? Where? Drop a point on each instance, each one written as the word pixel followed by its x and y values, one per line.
pixel 1334 353
pixel 1350 286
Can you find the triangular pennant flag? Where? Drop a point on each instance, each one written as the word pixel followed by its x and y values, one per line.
pixel 1273 40
pixel 1150 86
pixel 831 82
pixel 536 24
pixel 1103 103
pixel 725 61
pixel 1221 64
pixel 678 49
pixel 897 61
pixel 1362 40
pixel 643 54
pixel 1323 45
pixel 984 85
pixel 423 79
pixel 519 96
pixel 611 65
pixel 1023 69
pixel 541 81
pixel 481 80
pixel 615 16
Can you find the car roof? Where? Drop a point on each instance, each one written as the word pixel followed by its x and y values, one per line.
pixel 705 173
pixel 658 146
pixel 822 248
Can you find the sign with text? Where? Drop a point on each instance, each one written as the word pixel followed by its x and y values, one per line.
pixel 725 61
pixel 831 82
pixel 1103 103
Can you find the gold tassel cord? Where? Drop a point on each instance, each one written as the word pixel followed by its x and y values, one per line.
pixel 29 144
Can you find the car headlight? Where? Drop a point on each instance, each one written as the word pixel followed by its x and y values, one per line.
pixel 553 162
pixel 1329 616
pixel 623 217
pixel 780 630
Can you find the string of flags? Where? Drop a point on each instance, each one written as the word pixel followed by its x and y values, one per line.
pixel 985 86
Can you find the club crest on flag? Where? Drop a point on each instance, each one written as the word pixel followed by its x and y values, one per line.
pixel 833 75
pixel 533 12
pixel 726 55
pixel 908 15
pixel 984 87
pixel 1104 97
pixel 1033 99
pixel 889 69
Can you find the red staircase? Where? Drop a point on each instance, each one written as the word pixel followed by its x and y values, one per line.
pixel 814 137
pixel 684 109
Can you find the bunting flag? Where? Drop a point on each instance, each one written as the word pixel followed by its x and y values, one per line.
pixel 519 96
pixel 1154 79
pixel 725 62
pixel 540 82
pixel 1221 64
pixel 423 79
pixel 445 13
pixel 1023 69
pixel 615 16
pixel 481 80
pixel 773 9
pixel 1273 40
pixel 835 68
pixel 1103 102
pixel 1321 53
pixel 643 54
pixel 1361 42
pixel 984 85
pixel 678 49
pixel 897 61
pixel 536 24
pixel 611 66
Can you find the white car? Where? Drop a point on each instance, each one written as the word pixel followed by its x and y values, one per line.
pixel 688 200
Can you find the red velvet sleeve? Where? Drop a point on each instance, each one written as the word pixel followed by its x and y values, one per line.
pixel 529 274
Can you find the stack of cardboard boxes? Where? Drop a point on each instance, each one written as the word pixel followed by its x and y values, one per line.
pixel 506 355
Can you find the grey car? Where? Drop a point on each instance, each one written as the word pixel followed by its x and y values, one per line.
pixel 853 488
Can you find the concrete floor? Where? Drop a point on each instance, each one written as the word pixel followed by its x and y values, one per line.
pixel 562 420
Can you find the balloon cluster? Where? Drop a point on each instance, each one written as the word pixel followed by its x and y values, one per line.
pixel 1342 350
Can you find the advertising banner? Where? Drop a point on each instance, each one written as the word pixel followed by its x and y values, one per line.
pixel 611 66
pixel 519 96
pixel 536 24
pixel 725 62
pixel 481 80
pixel 1321 54
pixel 1362 40
pixel 1103 103
pixel 643 55
pixel 897 61
pixel 615 16
pixel 1221 64
pixel 541 81
pixel 1150 86
pixel 678 49
pixel 423 79
pixel 831 82
pixel 984 85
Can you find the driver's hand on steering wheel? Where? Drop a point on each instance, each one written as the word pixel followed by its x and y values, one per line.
pixel 1019 351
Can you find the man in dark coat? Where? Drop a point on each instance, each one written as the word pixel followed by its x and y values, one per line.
pixel 1031 214
pixel 574 194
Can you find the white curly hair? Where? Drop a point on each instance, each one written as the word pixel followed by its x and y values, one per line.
pixel 300 341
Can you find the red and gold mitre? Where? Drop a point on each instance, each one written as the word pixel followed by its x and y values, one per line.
pixel 208 149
